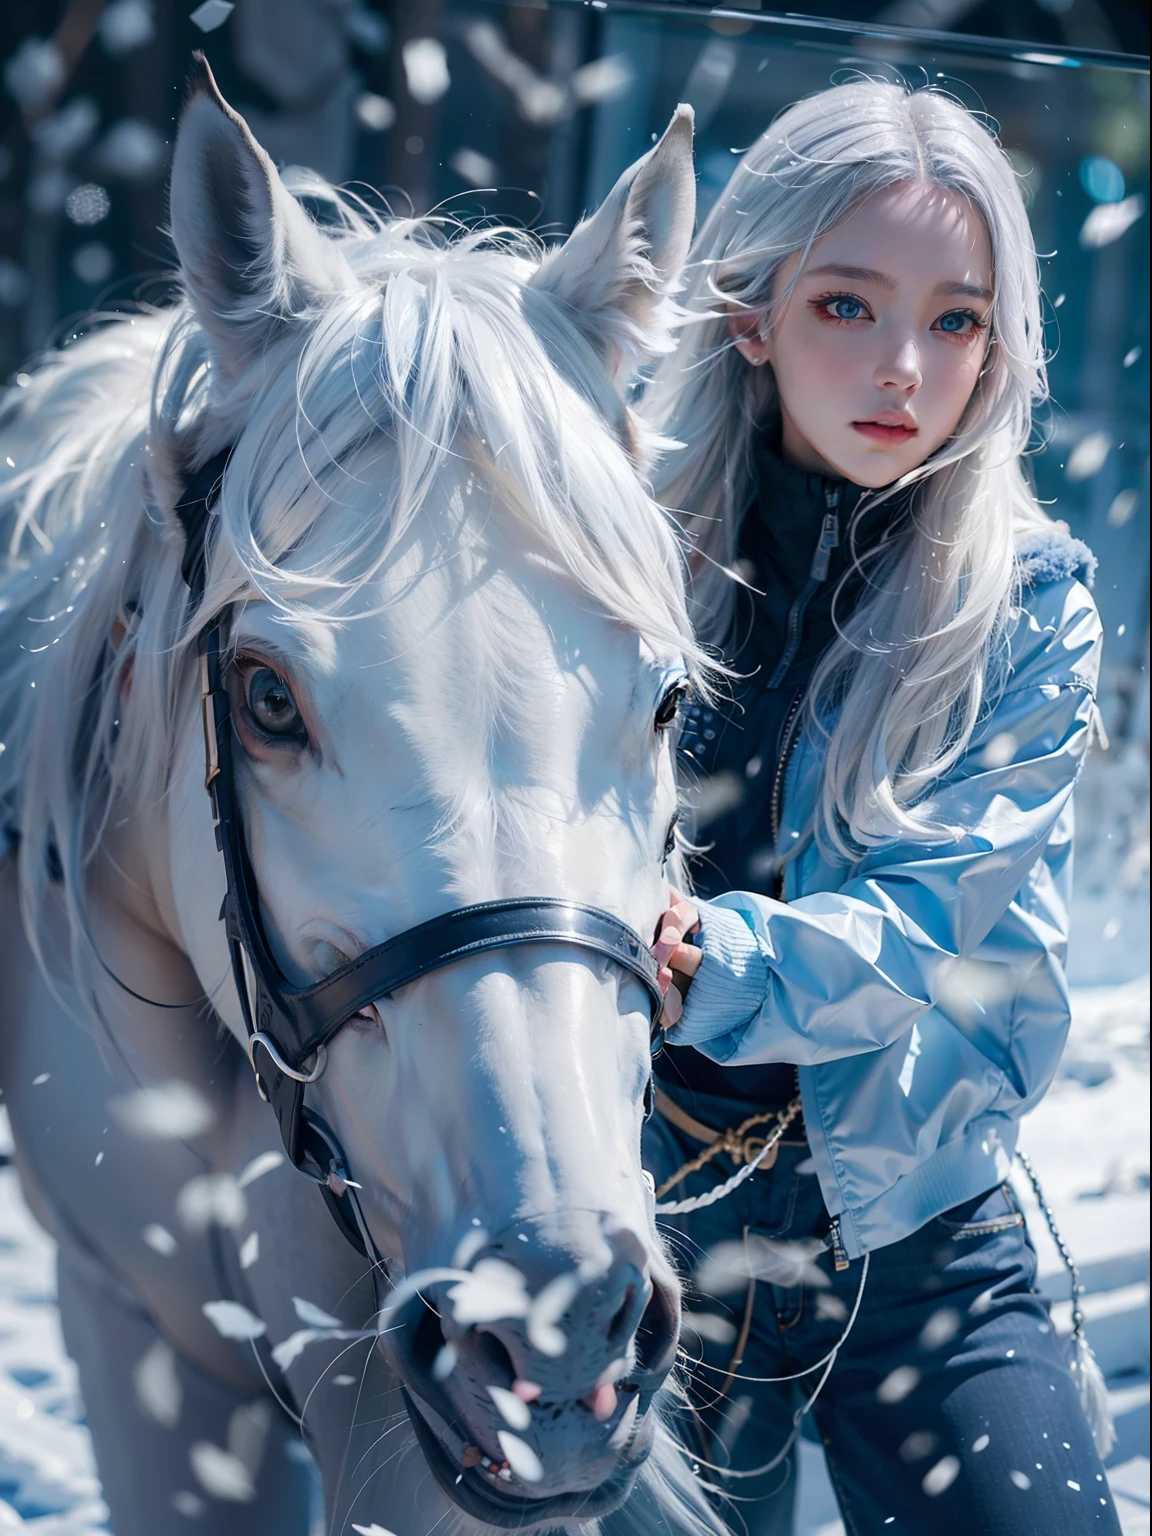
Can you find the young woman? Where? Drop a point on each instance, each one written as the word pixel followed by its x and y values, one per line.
pixel 875 985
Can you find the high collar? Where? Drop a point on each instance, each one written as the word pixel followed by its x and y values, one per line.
pixel 784 481
pixel 790 506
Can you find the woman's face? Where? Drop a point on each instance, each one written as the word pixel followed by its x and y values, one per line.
pixel 878 347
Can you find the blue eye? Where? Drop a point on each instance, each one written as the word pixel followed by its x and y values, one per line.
pixel 959 322
pixel 846 309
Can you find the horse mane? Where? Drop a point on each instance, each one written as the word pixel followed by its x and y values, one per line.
pixel 439 359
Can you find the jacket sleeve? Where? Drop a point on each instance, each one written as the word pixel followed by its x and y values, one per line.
pixel 842 972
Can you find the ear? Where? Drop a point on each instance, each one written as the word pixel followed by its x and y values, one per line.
pixel 749 330
pixel 250 256
pixel 617 268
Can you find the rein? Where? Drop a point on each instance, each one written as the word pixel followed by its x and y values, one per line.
pixel 290 1027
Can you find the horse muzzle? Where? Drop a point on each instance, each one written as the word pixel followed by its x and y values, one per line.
pixel 570 1448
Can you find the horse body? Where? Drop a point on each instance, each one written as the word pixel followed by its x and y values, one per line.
pixel 433 540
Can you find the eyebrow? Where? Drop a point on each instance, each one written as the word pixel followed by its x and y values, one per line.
pixel 884 280
pixel 854 274
pixel 969 290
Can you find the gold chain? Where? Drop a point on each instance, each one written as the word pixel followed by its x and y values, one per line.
pixel 732 1142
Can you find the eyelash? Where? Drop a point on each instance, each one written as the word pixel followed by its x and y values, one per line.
pixel 822 305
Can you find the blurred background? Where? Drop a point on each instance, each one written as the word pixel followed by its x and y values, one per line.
pixel 527 112
pixel 437 103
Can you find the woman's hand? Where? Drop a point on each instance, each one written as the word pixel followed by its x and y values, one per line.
pixel 678 961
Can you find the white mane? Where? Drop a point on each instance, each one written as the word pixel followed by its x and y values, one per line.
pixel 437 359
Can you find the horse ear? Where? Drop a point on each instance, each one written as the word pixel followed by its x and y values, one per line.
pixel 617 267
pixel 250 256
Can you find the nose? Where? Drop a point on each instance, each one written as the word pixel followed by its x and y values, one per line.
pixel 578 1327
pixel 900 369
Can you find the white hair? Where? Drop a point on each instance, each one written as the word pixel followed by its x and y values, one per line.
pixel 899 691
pixel 438 358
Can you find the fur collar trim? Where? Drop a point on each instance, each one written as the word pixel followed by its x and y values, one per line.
pixel 1052 554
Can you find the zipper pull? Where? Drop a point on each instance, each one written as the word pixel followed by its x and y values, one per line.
pixel 836 1243
pixel 829 534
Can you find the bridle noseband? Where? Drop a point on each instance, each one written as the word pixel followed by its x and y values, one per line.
pixel 288 1027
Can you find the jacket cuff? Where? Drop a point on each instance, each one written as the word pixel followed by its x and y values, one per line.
pixel 730 985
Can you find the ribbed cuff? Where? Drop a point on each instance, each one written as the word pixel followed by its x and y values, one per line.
pixel 728 990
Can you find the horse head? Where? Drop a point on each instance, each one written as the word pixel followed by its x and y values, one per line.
pixel 454 640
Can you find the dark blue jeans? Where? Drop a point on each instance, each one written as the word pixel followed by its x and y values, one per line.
pixel 949 1410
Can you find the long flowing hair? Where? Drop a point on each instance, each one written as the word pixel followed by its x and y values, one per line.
pixel 898 693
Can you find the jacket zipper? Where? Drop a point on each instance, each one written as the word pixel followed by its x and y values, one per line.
pixel 776 805
pixel 817 576
pixel 836 1243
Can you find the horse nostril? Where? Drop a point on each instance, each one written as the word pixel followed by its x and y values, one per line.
pixel 623 1325
pixel 493 1353
pixel 658 1332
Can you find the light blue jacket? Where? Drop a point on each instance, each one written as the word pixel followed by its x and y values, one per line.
pixel 920 989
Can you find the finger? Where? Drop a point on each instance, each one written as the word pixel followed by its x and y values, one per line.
pixel 673 1009
pixel 685 959
pixel 674 924
pixel 667 941
pixel 684 909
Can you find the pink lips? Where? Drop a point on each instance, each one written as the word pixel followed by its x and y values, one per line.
pixel 887 429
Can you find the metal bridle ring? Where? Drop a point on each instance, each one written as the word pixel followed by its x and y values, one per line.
pixel 260 1038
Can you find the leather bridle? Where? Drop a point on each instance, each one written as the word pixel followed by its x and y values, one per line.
pixel 290 1027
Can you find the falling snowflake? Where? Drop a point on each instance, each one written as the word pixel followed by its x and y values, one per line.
pixel 211 1198
pixel 1109 221
pixel 313 1316
pixel 212 14
pixel 34 73
pixel 88 204
pixel 941 1476
pixel 729 1266
pixel 60 136
pixel 157 1385
pixel 132 150
pixel 473 167
pixel 220 1473
pixel 93 262
pixel 1087 457
pixel 493 1290
pixel 602 79
pixel 232 1321
pixel 898 1384
pixel 425 69
pixel 167 1111
pixel 512 1409
pixel 520 1457
pixel 125 25
pixel 375 113
pixel 266 1162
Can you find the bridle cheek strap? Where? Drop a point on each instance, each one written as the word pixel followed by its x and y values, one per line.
pixel 290 1027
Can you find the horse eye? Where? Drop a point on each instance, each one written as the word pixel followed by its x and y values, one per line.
pixel 669 706
pixel 271 704
pixel 670 839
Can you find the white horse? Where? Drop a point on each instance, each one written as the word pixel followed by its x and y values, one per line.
pixel 454 631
